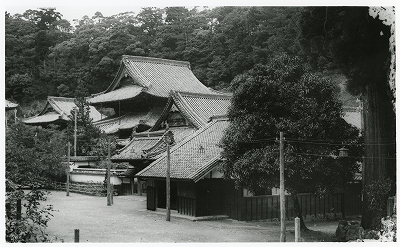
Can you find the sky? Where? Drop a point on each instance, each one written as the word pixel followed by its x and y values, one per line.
pixel 76 9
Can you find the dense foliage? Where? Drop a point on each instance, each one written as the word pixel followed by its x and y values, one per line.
pixel 219 43
pixel 283 96
pixel 30 225
pixel 34 156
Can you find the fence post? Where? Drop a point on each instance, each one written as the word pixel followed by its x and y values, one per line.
pixel 297 229
pixel 18 209
pixel 76 236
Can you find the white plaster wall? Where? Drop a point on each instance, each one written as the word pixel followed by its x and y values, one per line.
pixel 93 178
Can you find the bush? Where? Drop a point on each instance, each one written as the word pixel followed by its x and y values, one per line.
pixel 30 226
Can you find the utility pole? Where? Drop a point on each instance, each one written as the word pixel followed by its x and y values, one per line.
pixel 282 189
pixel 168 179
pixel 68 160
pixel 75 130
pixel 108 174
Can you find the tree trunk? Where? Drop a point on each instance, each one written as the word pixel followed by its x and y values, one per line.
pixel 380 148
pixel 297 211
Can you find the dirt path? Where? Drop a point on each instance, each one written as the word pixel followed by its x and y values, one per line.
pixel 128 221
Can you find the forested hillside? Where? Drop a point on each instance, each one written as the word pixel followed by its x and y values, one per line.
pixel 47 55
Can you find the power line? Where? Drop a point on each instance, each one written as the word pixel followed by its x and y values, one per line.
pixel 341 144
pixel 357 157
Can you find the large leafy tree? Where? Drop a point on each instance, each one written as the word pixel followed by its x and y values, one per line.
pixel 34 156
pixel 283 96
pixel 350 39
pixel 87 135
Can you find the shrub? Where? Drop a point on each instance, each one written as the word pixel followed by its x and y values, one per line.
pixel 31 225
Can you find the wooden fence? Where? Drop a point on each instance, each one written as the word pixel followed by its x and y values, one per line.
pixel 96 189
pixel 268 207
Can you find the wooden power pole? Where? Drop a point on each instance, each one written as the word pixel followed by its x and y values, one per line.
pixel 68 162
pixel 282 189
pixel 75 130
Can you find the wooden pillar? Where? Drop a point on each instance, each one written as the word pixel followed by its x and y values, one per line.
pixel 139 187
pixel 132 181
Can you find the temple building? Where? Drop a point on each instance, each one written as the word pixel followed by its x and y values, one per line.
pixel 140 91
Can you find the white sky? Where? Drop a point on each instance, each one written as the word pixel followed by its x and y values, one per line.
pixel 76 9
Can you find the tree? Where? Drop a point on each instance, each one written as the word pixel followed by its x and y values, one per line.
pixel 34 156
pixel 87 133
pixel 284 96
pixel 350 39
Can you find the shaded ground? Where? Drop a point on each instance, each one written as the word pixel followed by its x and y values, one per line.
pixel 127 220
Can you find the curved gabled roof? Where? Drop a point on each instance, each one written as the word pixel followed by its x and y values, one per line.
pixel 59 108
pixel 154 76
pixel 148 145
pixel 129 120
pixel 196 107
pixel 193 157
pixel 123 93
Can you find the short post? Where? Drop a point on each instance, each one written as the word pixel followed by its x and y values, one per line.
pixel 18 209
pixel 297 229
pixel 76 236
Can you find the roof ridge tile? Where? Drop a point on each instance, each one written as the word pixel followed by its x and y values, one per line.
pixel 157 60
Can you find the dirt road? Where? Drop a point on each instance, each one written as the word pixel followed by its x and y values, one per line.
pixel 128 221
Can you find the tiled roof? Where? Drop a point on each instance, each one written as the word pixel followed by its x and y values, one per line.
pixel 134 149
pixel 192 158
pixel 149 145
pixel 48 117
pixel 59 108
pixel 160 76
pixel 64 106
pixel 154 76
pixel 123 93
pixel 195 107
pixel 10 105
pixel 129 121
